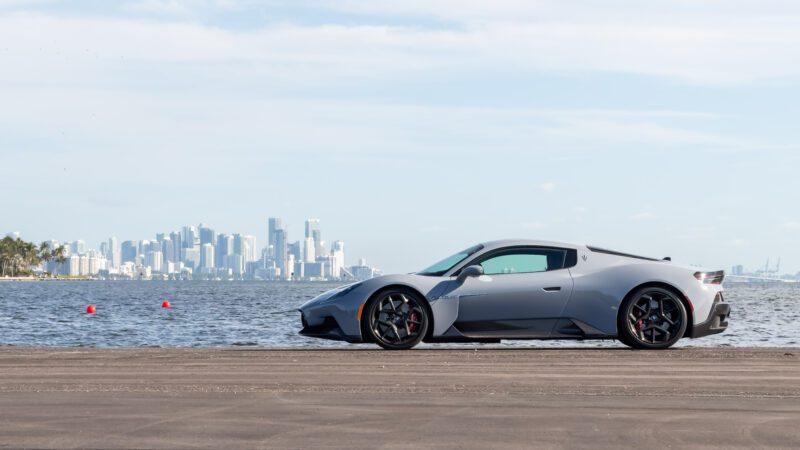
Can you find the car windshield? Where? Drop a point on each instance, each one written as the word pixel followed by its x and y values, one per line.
pixel 441 267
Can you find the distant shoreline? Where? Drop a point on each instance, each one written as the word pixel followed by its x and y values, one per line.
pixel 33 279
pixel 47 279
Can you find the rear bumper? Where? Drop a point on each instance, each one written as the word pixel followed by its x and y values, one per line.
pixel 717 321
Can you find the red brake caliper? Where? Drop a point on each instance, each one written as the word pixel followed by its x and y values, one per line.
pixel 412 327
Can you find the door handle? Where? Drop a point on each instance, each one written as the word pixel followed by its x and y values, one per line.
pixel 552 289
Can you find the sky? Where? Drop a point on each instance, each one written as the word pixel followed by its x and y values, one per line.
pixel 410 128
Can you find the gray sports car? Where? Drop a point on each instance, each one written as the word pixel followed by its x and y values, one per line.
pixel 520 289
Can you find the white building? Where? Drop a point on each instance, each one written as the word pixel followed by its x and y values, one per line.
pixel 337 259
pixel 207 256
pixel 154 260
pixel 309 250
pixel 114 252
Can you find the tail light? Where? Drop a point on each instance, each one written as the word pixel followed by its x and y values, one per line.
pixel 710 277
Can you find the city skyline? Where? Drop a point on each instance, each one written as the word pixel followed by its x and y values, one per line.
pixel 200 252
pixel 414 128
pixel 772 268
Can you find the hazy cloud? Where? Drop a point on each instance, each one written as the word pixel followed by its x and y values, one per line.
pixel 547 187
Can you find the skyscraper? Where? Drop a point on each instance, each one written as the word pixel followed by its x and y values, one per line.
pixel 275 224
pixel 281 249
pixel 167 250
pixel 114 256
pixel 337 256
pixel 223 249
pixel 249 249
pixel 129 251
pixel 190 237
pixel 207 256
pixel 309 250
pixel 177 245
pixel 207 235
pixel 313 231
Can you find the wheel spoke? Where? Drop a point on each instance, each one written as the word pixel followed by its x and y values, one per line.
pixel 398 320
pixel 655 317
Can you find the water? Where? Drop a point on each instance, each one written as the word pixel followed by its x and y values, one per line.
pixel 215 314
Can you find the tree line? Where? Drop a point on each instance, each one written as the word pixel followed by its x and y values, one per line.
pixel 18 257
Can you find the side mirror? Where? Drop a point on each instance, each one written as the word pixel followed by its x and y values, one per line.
pixel 470 271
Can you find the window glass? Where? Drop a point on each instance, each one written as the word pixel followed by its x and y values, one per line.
pixel 524 261
pixel 441 267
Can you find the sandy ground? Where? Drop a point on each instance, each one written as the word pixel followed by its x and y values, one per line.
pixel 440 398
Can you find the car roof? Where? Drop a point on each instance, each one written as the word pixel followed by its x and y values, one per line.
pixel 491 245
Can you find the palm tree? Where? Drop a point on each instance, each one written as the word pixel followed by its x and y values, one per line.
pixel 18 256
pixel 45 254
pixel 58 255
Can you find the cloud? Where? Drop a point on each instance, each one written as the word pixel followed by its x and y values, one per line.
pixel 739 242
pixel 696 45
pixel 547 187
pixel 534 226
pixel 644 216
pixel 792 225
pixel 433 229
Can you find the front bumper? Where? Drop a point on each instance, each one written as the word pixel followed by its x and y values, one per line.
pixel 717 321
pixel 329 328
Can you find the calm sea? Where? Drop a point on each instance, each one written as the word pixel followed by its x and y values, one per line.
pixel 211 314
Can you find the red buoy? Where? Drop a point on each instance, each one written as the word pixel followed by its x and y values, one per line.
pixel 91 309
pixel 165 304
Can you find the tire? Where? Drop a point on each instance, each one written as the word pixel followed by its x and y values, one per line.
pixel 397 319
pixel 651 318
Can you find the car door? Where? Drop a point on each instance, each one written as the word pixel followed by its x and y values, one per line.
pixel 522 294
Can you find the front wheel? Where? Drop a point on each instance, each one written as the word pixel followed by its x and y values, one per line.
pixel 398 320
pixel 651 318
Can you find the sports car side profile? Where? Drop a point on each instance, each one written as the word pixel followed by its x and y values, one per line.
pixel 521 289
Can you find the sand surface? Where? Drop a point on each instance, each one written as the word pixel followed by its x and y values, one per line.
pixel 364 398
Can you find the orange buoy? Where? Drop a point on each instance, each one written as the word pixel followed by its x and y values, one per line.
pixel 165 304
pixel 91 309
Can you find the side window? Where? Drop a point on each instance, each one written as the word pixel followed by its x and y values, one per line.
pixel 524 261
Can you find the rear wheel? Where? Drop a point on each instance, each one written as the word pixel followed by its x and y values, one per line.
pixel 651 318
pixel 397 319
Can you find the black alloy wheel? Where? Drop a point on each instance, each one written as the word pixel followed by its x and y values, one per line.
pixel 398 320
pixel 652 318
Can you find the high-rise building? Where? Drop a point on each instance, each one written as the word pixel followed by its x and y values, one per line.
pixel 77 247
pixel 249 248
pixel 235 263
pixel 313 231
pixel 337 256
pixel 114 256
pixel 155 260
pixel 207 235
pixel 190 237
pixel 167 250
pixel 175 237
pixel 281 250
pixel 207 256
pixel 129 251
pixel 309 250
pixel 296 250
pixel 223 249
pixel 275 224
pixel 191 257
pixel 74 265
